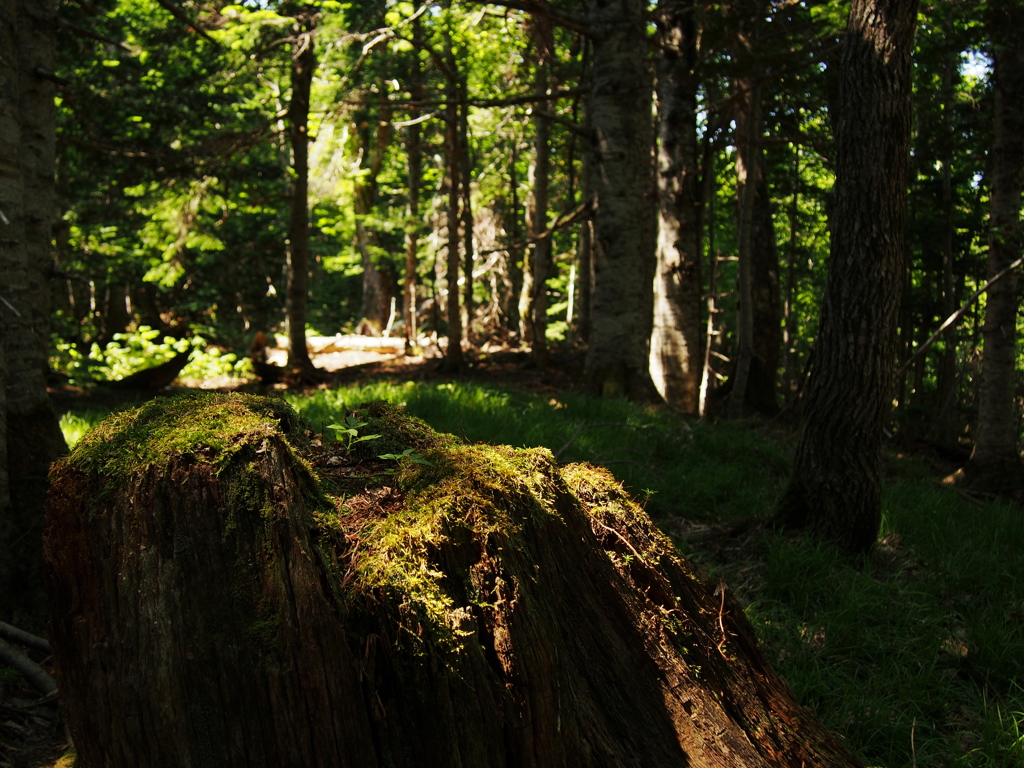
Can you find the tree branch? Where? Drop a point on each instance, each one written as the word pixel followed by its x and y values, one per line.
pixel 20 636
pixel 955 317
pixel 176 12
pixel 34 675
pixel 541 8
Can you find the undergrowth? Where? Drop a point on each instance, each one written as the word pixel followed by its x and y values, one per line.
pixel 912 654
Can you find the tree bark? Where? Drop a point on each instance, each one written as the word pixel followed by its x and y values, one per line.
pixel 537 205
pixel 761 395
pixel 414 151
pixel 374 134
pixel 303 66
pixel 468 225
pixel 11 232
pixel 747 116
pixel 618 353
pixel 219 601
pixel 995 464
pixel 30 431
pixel 676 357
pixel 453 354
pixel 835 489
pixel 753 383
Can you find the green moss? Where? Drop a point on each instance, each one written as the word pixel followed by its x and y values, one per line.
pixel 469 493
pixel 208 427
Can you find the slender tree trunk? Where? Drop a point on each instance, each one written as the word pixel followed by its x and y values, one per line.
pixel 676 359
pixel 758 279
pixel 762 384
pixel 945 429
pixel 414 151
pixel 518 257
pixel 296 301
pixel 995 463
pixel 453 314
pixel 789 330
pixel 537 206
pixel 618 353
pixel 585 290
pixel 540 247
pixel 747 126
pixel 835 489
pixel 374 133
pixel 466 183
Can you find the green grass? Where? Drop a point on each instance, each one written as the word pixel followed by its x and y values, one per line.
pixel 913 654
pixel 654 454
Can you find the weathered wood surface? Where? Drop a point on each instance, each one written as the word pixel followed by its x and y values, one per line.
pixel 219 600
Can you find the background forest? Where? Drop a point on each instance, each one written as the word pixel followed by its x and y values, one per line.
pixel 187 133
pixel 640 193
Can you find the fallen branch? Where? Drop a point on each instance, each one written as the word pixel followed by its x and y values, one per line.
pixel 21 637
pixel 955 317
pixel 34 675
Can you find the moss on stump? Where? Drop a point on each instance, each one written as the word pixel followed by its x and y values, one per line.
pixel 227 589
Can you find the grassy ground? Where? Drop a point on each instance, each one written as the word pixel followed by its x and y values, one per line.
pixel 913 654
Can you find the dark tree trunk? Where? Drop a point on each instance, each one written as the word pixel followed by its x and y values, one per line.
pixel 374 133
pixel 466 185
pixel 835 489
pixel 453 354
pixel 762 381
pixel 747 115
pixel 453 359
pixel 676 358
pixel 945 429
pixel 618 351
pixel 414 151
pixel 537 206
pixel 518 263
pixel 29 429
pixel 753 384
pixel 995 463
pixel 296 302
pixel 212 606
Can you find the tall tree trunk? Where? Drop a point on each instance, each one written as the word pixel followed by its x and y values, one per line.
pixel 374 133
pixel 453 354
pixel 12 233
pixel 618 352
pixel 995 463
pixel 752 386
pixel 303 66
pixel 518 259
pixel 945 429
pixel 211 605
pixel 676 359
pixel 30 431
pixel 835 489
pixel 466 184
pixel 414 152
pixel 540 171
pixel 762 383
pixel 789 329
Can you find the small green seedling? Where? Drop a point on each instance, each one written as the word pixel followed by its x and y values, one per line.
pixel 409 454
pixel 349 431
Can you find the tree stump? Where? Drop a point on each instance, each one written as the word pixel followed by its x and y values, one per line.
pixel 227 590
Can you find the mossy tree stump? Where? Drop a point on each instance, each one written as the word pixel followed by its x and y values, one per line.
pixel 226 590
